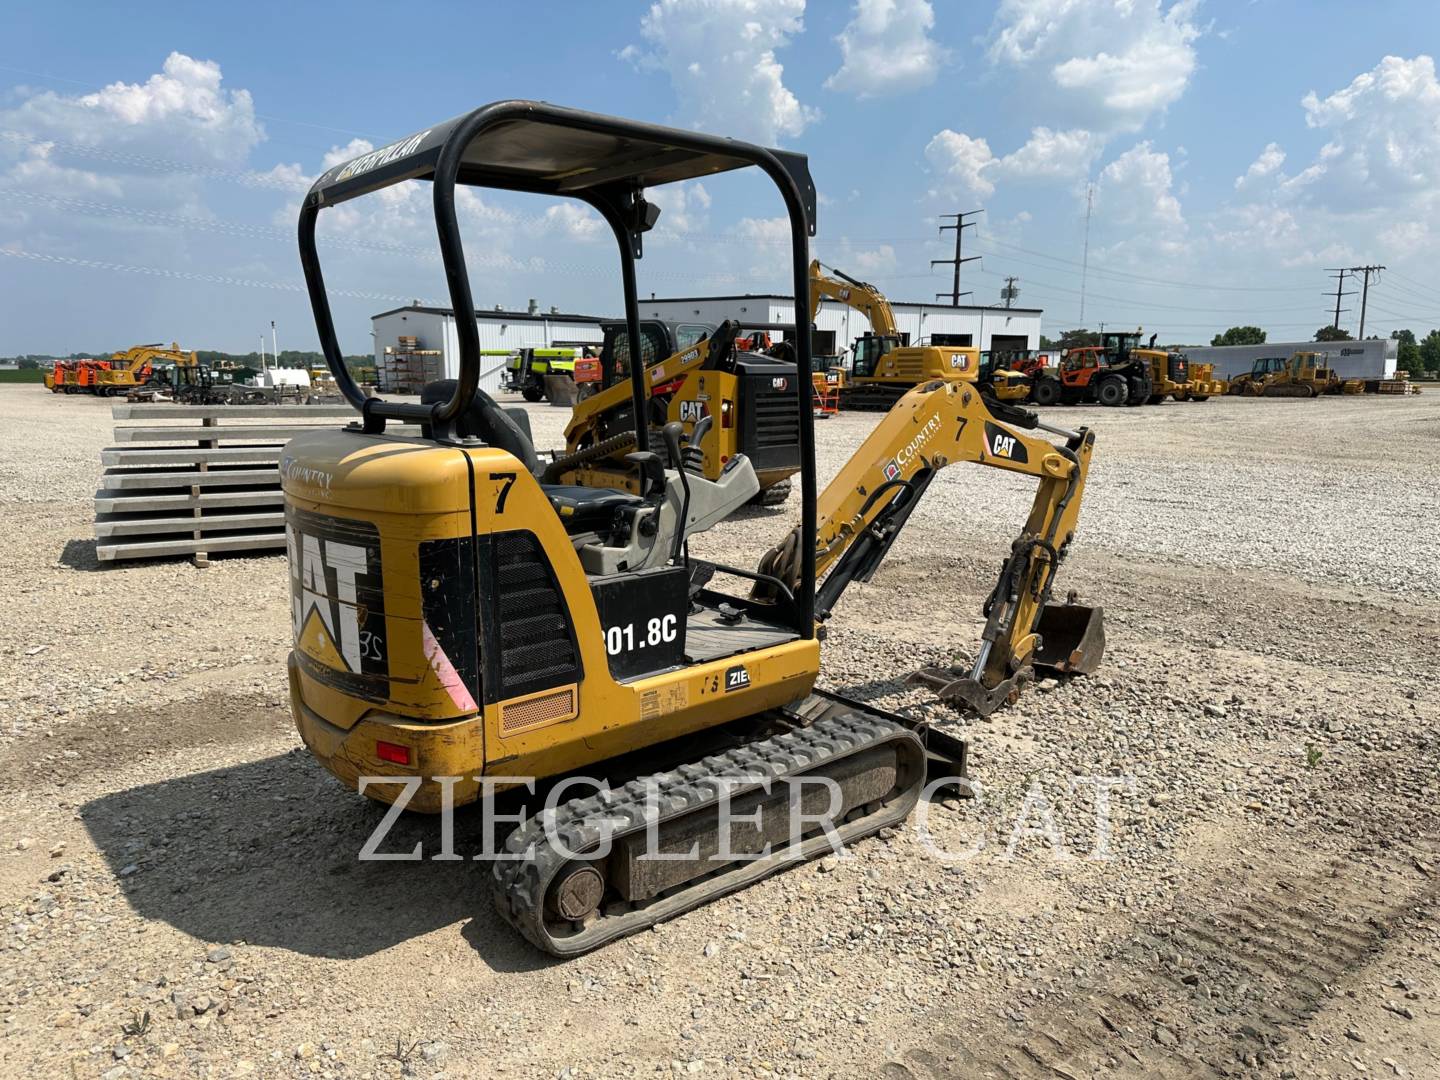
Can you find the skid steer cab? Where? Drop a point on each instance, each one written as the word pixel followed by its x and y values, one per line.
pixel 729 399
pixel 465 618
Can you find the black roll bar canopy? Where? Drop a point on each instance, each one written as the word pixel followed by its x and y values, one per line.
pixel 604 161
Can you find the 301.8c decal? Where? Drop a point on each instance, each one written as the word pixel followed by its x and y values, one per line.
pixel 626 637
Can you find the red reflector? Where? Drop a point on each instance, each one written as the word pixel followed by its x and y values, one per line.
pixel 389 751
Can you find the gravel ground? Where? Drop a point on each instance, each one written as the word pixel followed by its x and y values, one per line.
pixel 179 894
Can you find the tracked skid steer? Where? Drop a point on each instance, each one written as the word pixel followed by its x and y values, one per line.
pixel 466 630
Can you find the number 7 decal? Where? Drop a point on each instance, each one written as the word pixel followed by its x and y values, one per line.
pixel 504 492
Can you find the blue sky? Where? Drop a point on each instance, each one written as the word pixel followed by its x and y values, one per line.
pixel 151 162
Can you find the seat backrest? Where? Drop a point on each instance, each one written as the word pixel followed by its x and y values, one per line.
pixel 487 421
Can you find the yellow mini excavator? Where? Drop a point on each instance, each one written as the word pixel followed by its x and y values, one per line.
pixel 883 367
pixel 461 623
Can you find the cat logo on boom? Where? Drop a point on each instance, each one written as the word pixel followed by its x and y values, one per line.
pixel 1002 444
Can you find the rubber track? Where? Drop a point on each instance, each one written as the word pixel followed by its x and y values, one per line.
pixel 1263 963
pixel 520 884
pixel 774 495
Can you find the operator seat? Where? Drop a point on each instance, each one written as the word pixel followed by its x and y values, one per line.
pixel 588 509
pixel 580 509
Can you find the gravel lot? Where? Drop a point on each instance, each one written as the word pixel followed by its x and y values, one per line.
pixel 179 894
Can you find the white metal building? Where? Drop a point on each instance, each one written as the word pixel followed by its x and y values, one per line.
pixel 1373 359
pixel 499 330
pixel 838 325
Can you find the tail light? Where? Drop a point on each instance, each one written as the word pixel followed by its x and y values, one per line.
pixel 727 414
pixel 392 752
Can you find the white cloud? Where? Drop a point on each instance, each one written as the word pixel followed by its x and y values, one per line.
pixel 1053 154
pixel 967 166
pixel 720 57
pixel 683 209
pixel 874 261
pixel 1384 135
pixel 576 222
pixel 1136 201
pixel 1107 65
pixel 886 49
pixel 961 163
pixel 1267 164
pixel 181 112
pixel 130 153
pixel 1372 190
pixel 338 155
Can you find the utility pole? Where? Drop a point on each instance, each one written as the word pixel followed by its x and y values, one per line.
pixel 1339 274
pixel 1085 257
pixel 1365 291
pixel 960 226
pixel 1009 292
pixel 274 346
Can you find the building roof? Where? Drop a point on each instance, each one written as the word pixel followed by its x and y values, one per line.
pixel 893 303
pixel 541 316
pixel 513 316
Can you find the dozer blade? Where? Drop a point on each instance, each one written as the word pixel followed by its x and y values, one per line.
pixel 1072 639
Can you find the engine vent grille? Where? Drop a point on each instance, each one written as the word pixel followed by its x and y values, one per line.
pixel 534 712
pixel 536 647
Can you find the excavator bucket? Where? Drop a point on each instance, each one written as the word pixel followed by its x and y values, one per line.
pixel 1072 639
pixel 1072 642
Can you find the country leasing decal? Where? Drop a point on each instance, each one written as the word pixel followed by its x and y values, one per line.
pixel 897 465
pixel 1004 444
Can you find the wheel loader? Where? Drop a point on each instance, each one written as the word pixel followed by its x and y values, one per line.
pixel 465 630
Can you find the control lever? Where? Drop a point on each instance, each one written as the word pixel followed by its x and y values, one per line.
pixel 652 471
pixel 694 455
pixel 672 433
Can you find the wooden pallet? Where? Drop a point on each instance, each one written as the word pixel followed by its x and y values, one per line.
pixel 199 479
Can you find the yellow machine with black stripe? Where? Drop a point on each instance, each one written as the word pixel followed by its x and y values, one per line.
pixel 462 624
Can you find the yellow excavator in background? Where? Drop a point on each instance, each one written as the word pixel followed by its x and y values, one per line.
pixel 134 367
pixel 461 625
pixel 883 367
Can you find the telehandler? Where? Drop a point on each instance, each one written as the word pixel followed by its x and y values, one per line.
pixel 457 618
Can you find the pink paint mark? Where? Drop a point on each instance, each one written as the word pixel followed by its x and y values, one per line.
pixel 446 673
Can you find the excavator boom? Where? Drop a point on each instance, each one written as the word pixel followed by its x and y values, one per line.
pixel 860 295
pixel 864 507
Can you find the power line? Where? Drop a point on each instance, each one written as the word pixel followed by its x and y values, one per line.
pixel 960 226
pixel 1340 274
pixel 1365 291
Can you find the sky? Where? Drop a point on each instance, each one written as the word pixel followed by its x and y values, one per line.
pixel 1227 156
